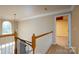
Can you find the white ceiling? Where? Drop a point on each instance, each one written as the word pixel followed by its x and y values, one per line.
pixel 27 11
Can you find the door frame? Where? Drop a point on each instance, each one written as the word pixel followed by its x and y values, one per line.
pixel 69 28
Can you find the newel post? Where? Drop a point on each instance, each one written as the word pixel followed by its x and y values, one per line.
pixel 15 37
pixel 33 43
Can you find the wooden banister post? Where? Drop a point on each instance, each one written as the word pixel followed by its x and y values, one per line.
pixel 33 43
pixel 36 37
pixel 15 42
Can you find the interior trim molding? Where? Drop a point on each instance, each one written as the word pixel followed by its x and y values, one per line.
pixel 47 14
pixel 72 7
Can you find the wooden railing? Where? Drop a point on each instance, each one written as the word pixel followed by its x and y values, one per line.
pixel 5 42
pixel 16 38
pixel 32 44
pixel 6 35
pixel 34 37
pixel 25 41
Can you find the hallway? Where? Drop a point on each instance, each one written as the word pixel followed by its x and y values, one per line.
pixel 62 31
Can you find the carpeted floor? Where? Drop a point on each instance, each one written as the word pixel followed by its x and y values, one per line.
pixel 57 49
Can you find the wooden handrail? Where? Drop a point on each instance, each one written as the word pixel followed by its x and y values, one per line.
pixel 43 34
pixel 6 35
pixel 26 42
pixel 35 37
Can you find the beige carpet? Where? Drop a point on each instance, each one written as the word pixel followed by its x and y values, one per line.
pixel 62 41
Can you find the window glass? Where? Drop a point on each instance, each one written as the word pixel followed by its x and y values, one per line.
pixel 6 27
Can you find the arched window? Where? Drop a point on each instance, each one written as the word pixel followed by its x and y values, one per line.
pixel 6 27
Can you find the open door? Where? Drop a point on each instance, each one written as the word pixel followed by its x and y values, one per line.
pixel 62 31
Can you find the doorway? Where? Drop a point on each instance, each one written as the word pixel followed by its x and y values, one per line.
pixel 63 34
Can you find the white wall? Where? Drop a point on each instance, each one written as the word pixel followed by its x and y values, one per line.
pixel 75 26
pixel 38 26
